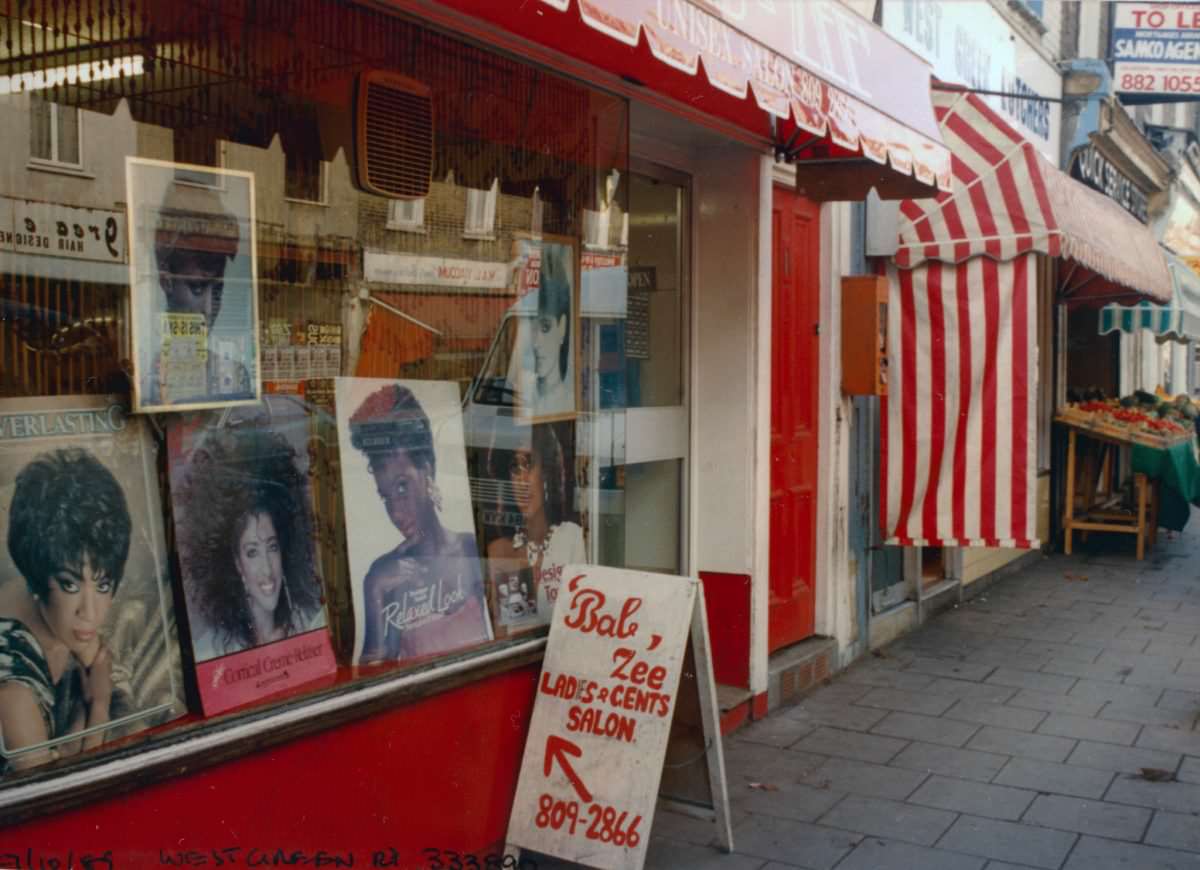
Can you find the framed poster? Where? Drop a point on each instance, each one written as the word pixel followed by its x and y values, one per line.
pixel 88 647
pixel 243 515
pixel 545 374
pixel 192 277
pixel 532 528
pixel 415 572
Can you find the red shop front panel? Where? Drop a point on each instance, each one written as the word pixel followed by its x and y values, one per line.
pixel 438 774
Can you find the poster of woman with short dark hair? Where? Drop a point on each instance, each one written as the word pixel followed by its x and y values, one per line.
pixel 546 376
pixel 88 647
pixel 414 562
pixel 192 274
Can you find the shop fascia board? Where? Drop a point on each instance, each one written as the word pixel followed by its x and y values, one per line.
pixel 1120 140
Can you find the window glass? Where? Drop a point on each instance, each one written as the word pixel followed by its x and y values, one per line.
pixel 41 125
pixel 265 450
pixel 305 178
pixel 54 132
pixel 657 275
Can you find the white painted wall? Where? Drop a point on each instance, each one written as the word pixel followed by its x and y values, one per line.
pixel 1090 16
pixel 723 400
pixel 1151 369
pixel 762 437
pixel 1130 373
pixel 836 614
pixel 1052 17
pixel 1180 370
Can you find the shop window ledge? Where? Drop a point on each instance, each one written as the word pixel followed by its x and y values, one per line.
pixel 195 743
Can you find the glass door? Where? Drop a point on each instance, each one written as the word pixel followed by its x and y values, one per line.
pixel 650 533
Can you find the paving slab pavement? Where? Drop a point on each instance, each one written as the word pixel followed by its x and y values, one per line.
pixel 1011 731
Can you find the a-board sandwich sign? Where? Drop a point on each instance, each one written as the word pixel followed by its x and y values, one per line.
pixel 606 696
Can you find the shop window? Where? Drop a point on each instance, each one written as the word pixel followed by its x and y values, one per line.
pixel 296 434
pixel 305 178
pixel 55 133
pixel 407 215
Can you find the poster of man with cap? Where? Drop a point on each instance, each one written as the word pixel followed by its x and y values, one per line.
pixel 192 273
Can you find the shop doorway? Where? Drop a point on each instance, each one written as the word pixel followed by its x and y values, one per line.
pixel 651 532
pixel 795 379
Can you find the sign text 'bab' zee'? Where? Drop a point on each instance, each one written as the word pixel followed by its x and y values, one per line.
pixel 606 695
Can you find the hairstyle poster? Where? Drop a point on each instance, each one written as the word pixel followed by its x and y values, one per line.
pixel 531 525
pixel 415 570
pixel 192 278
pixel 545 364
pixel 88 646
pixel 243 516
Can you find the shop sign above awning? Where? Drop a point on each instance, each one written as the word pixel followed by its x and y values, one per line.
pixel 819 63
pixel 1179 321
pixel 1009 200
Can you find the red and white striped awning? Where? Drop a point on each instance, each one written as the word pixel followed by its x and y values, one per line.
pixel 959 442
pixel 817 64
pixel 959 461
pixel 1007 200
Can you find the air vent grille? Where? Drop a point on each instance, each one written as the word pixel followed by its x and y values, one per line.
pixel 395 136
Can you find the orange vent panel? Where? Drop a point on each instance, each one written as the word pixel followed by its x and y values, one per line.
pixel 394 135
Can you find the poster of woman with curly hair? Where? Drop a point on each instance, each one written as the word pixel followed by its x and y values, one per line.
pixel 243 519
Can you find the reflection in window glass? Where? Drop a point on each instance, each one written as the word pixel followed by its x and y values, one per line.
pixel 654 327
pixel 54 132
pixel 373 363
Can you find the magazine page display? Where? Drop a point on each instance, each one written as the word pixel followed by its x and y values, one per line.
pixel 192 274
pixel 533 529
pixel 415 569
pixel 244 524
pixel 545 374
pixel 88 645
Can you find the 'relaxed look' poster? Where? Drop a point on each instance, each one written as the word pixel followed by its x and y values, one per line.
pixel 414 561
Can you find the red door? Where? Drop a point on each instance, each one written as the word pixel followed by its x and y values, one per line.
pixel 795 373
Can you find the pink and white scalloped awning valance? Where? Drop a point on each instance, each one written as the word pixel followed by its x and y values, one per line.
pixel 818 62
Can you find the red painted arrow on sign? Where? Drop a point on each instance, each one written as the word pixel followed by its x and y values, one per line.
pixel 560 748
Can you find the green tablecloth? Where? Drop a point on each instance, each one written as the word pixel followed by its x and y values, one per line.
pixel 1176 469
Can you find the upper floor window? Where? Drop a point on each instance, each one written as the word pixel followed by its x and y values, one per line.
pixel 480 222
pixel 304 178
pixel 1037 7
pixel 54 133
pixel 537 213
pixel 407 215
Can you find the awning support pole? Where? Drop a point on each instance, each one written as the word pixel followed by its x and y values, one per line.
pixel 393 310
pixel 788 152
pixel 1063 294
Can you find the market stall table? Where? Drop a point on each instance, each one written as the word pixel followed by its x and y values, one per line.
pixel 1161 452
pixel 1097 508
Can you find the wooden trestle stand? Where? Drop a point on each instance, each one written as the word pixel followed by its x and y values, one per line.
pixel 1093 508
